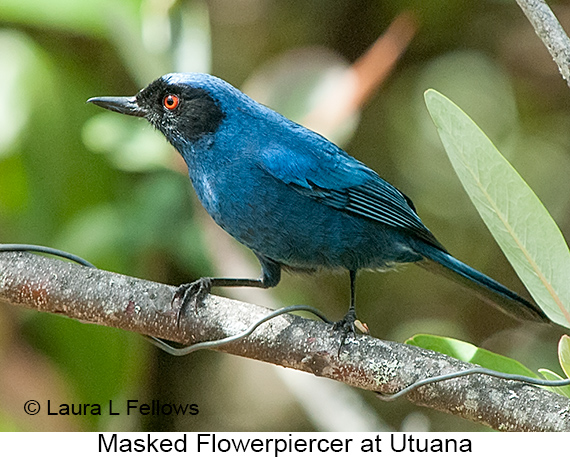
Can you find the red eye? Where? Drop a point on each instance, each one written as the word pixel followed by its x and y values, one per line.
pixel 170 102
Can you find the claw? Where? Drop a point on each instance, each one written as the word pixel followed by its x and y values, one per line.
pixel 190 293
pixel 348 325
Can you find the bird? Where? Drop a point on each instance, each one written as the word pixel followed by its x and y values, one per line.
pixel 294 198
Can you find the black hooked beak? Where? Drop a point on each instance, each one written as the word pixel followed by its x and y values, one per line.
pixel 123 105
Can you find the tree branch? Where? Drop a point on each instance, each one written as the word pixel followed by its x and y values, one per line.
pixel 550 32
pixel 110 299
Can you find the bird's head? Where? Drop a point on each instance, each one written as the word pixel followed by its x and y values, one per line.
pixel 185 107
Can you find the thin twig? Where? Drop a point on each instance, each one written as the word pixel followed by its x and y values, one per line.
pixel 550 32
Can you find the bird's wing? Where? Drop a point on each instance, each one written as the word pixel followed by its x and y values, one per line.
pixel 336 179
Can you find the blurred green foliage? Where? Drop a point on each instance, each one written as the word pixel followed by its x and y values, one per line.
pixel 470 353
pixel 109 188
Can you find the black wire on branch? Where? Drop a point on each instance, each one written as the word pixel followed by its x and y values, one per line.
pixel 214 344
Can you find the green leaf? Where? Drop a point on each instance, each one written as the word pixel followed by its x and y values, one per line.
pixel 523 228
pixel 551 376
pixel 564 354
pixel 467 352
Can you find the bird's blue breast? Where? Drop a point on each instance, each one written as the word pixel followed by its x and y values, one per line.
pixel 272 216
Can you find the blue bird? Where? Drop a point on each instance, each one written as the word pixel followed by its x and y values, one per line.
pixel 298 201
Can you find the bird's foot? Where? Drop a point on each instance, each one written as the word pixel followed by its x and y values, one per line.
pixel 191 293
pixel 348 325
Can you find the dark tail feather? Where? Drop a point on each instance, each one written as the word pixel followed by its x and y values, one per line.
pixel 488 289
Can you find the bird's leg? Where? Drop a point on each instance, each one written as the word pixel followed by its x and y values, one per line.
pixel 200 289
pixel 349 323
pixel 346 324
pixel 195 292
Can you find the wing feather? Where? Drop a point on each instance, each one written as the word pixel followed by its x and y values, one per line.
pixel 336 179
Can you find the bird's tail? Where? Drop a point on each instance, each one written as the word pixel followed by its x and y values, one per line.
pixel 488 289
